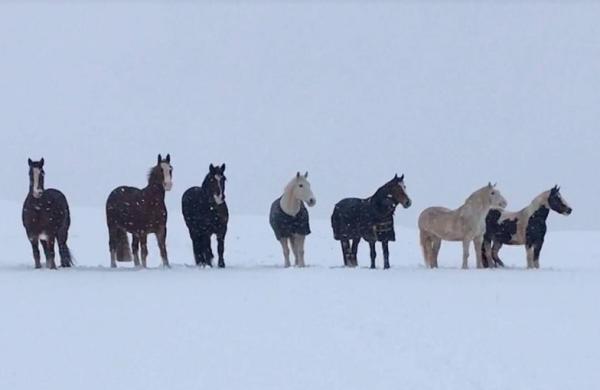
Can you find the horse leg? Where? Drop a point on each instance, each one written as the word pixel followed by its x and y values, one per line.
pixel 299 240
pixel 35 246
pixel 294 244
pixel 373 253
pixel 63 250
pixel 161 237
pixel 286 251
pixel 486 256
pixel 477 243
pixel 49 252
pixel 346 252
pixel 135 247
pixel 465 263
pixel 386 255
pixel 354 252
pixel 435 251
pixel 427 247
pixel 112 246
pixel 495 250
pixel 221 249
pixel 144 244
pixel 536 253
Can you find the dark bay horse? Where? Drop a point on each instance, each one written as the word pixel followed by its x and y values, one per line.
pixel 371 219
pixel 46 218
pixel 139 212
pixel 205 213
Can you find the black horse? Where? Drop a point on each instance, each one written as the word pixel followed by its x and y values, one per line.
pixel 46 218
pixel 371 219
pixel 139 212
pixel 205 213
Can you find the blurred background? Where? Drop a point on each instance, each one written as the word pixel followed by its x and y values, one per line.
pixel 451 94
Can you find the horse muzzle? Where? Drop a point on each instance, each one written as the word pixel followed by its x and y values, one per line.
pixel 568 211
pixel 407 204
pixel 311 202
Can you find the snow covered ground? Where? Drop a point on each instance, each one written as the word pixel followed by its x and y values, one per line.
pixel 256 325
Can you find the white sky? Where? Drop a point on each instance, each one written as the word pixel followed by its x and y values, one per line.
pixel 452 95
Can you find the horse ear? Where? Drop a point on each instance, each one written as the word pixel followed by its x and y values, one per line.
pixel 159 159
pixel 306 174
pixel 298 175
pixel 168 158
pixel 223 168
pixel 42 162
pixel 402 177
pixel 396 176
pixel 29 162
pixel 211 168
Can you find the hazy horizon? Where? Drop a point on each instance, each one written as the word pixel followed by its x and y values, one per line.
pixel 452 95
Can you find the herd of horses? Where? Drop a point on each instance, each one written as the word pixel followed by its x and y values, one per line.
pixel 482 220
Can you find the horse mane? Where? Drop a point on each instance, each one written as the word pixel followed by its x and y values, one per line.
pixel 155 175
pixel 475 194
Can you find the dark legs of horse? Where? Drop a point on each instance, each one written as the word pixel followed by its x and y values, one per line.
pixel 386 255
pixel 144 244
pixel 373 253
pixel 346 252
pixel 486 253
pixel 161 237
pixel 355 243
pixel 35 246
pixel 63 249
pixel 221 249
pixel 135 248
pixel 349 251
pixel 48 246
pixel 495 250
pixel 208 253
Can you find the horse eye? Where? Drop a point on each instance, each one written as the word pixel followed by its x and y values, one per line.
pixel 300 185
pixel 493 193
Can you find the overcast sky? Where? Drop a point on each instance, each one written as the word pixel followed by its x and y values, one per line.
pixel 452 95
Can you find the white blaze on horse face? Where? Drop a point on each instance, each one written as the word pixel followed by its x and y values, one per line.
pixel 168 182
pixel 219 197
pixel 303 192
pixel 37 191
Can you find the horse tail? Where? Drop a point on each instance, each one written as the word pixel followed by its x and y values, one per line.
pixel 119 242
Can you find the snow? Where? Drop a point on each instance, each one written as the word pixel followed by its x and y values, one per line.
pixel 451 94
pixel 257 325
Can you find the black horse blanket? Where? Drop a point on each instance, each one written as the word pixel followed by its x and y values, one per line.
pixel 285 225
pixel 369 219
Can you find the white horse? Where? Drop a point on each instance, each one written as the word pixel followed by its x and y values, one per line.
pixel 466 224
pixel 289 217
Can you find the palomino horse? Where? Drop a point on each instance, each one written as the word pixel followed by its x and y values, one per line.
pixel 371 219
pixel 526 227
pixel 46 218
pixel 205 213
pixel 466 224
pixel 289 217
pixel 139 212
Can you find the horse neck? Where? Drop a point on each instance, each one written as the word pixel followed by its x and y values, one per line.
pixel 475 208
pixel 154 189
pixel 377 199
pixel 289 203
pixel 534 206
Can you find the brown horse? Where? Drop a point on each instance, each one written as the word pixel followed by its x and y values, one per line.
pixel 46 218
pixel 139 212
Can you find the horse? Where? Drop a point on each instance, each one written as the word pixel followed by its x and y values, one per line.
pixel 139 212
pixel 371 219
pixel 289 218
pixel 205 213
pixel 466 224
pixel 526 227
pixel 46 218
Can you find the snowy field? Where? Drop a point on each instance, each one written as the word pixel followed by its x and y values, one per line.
pixel 452 94
pixel 256 325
